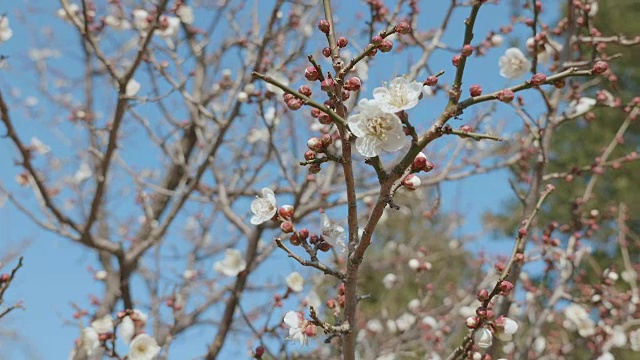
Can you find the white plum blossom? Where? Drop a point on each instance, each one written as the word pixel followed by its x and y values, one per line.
pixel 634 340
pixel 101 275
pixel 257 135
pixel 185 13
pixel 389 280
pixel 172 28
pixel 405 321
pixel 376 130
pixel 427 91
pixel 296 323
pixel 39 147
pixel 140 19
pixel 295 282
pixel 83 173
pixel 126 330
pixel 374 325
pixel 332 233
pixel 243 97
pixel 90 340
pixel 506 332
pixel 546 51
pixel 5 31
pixel 264 208
pixel 232 264
pixel 103 325
pixel 606 356
pixel 483 338
pixel 189 274
pixel 73 10
pixel 117 23
pixel 399 95
pixel 132 88
pixel 578 318
pixel 581 106
pixel 513 64
pixel 143 347
pixel 496 40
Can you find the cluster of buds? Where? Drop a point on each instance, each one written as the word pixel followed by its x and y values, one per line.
pixel 420 163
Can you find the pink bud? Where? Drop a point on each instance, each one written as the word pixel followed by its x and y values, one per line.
pixel 467 50
pixel 303 233
pixel 482 295
pixel 315 144
pixel 259 351
pixel 314 168
pixel 326 140
pixel 315 113
pixel 538 79
pixel 522 232
pixel 326 52
pixel 506 96
pixel 342 42
pixel 386 46
pixel 411 182
pixel 327 84
pixel 286 227
pixel 403 27
pixel 353 84
pixel 429 166
pixel 309 155
pixel 475 90
pixel 419 162
pixel 376 40
pixel 324 26
pixel 559 84
pixel 431 80
pixel 599 67
pixel 286 211
pixel 325 119
pixel 294 104
pixel 311 73
pixel 472 322
pixel 4 277
pixel 505 287
pixel 305 90
pixel 456 60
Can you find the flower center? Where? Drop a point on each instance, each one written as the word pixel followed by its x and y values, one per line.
pixel 379 126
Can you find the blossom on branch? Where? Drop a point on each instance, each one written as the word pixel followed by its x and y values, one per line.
pixel 5 31
pixel 399 95
pixel 143 347
pixel 376 129
pixel 232 264
pixel 483 338
pixel 513 64
pixel 264 208
pixel 298 327
pixel 332 233
pixel 103 325
pixel 295 282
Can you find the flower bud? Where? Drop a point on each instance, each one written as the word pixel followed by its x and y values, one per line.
pixel 325 119
pixel 324 26
pixel 599 67
pixel 419 162
pixel 376 40
pixel 259 352
pixel 295 239
pixel 353 84
pixel 428 166
pixel 326 52
pixel 386 46
pixel 327 84
pixel 506 96
pixel 456 60
pixel 315 144
pixel 311 73
pixel 482 295
pixel 288 97
pixel 324 246
pixel 311 330
pixel 4 277
pixel 286 211
pixel 431 80
pixel 559 84
pixel 305 90
pixel 472 322
pixel 314 168
pixel 475 90
pixel 303 233
pixel 309 155
pixel 403 27
pixel 411 182
pixel 294 104
pixel 538 79
pixel 326 140
pixel 505 287
pixel 467 50
pixel 342 42
pixel 286 227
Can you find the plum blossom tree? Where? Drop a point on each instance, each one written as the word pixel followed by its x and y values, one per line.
pixel 193 169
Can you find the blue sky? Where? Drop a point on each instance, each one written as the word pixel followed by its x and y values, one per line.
pixel 55 270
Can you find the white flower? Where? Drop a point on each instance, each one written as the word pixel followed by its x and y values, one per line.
pixel 375 129
pixel 295 282
pixel 496 40
pixel 117 22
pixel 296 324
pixel 140 19
pixel 578 317
pixel 83 173
pixel 332 232
pixel 427 91
pixel 618 337
pixel 606 356
pixel 405 321
pixel 389 280
pixel 132 88
pixel 143 347
pixel 90 340
pixel 430 321
pixel 545 51
pixel 513 64
pixel 126 330
pixel 270 116
pixel 232 264
pixel 185 13
pixel 594 9
pixel 400 95
pixel 581 106
pixel 256 135
pixel 483 338
pixel 539 344
pixel 414 264
pixel 40 147
pixel 73 9
pixel 510 328
pixel 313 299
pixel 414 305
pixel 5 31
pixel 264 208
pixel 172 29
pixel 190 274
pixel 374 325
pixel 103 325
pixel 634 340
pixel 100 275
pixel 243 97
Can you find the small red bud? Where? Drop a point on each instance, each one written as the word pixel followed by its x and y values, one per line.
pixel 303 233
pixel 259 352
pixel 376 40
pixel 327 84
pixel 431 80
pixel 475 90
pixel 353 84
pixel 324 26
pixel 286 227
pixel 326 140
pixel 315 144
pixel 342 42
pixel 467 50
pixel 4 277
pixel 456 60
pixel 505 287
pixel 326 52
pixel 538 79
pixel 295 239
pixel 311 73
pixel 429 166
pixel 419 162
pixel 560 84
pixel 294 104
pixel 522 232
pixel 482 295
pixel 481 312
pixel 305 90
pixel 386 46
pixel 286 211
pixel 403 27
pixel 506 96
pixel 309 155
pixel 331 304
pixel 315 113
pixel 314 168
pixel 341 289
pixel 324 246
pixel 599 67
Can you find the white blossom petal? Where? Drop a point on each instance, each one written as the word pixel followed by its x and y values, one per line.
pixel 232 264
pixel 513 64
